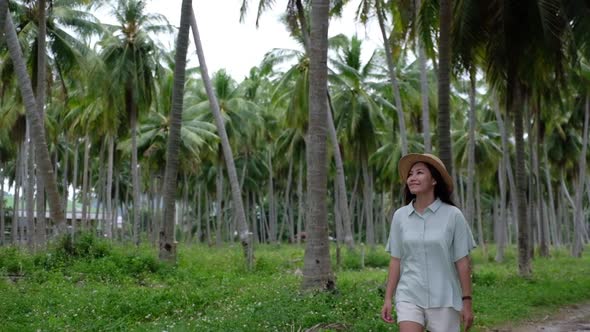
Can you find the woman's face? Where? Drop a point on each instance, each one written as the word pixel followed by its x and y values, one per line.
pixel 420 180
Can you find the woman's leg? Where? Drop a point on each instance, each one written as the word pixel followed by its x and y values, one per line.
pixel 409 326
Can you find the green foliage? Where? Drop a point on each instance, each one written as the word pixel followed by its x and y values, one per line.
pixel 99 286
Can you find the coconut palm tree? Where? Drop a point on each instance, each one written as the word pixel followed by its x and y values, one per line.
pixel 132 56
pixel 167 243
pixel 512 46
pixel 240 214
pixel 36 123
pixel 317 269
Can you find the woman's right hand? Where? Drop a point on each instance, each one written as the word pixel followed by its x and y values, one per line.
pixel 386 312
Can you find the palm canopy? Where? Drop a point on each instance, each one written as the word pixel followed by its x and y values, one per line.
pixel 130 52
pixel 69 23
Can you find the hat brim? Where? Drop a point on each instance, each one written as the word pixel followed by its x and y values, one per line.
pixel 407 161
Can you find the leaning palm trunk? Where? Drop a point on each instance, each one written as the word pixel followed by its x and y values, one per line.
pixel 392 77
pixel 317 269
pixel 41 151
pixel 240 215
pixel 579 228
pixel 167 244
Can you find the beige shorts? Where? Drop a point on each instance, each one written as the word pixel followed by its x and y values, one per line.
pixel 434 319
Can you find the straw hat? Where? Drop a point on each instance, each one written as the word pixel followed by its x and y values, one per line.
pixel 407 161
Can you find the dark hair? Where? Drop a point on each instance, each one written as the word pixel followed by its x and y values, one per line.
pixel 441 190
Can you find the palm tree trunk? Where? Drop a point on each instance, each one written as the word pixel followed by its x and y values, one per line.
pixel 208 219
pixel 29 178
pixel 368 201
pixel 470 211
pixel 42 153
pixel 444 73
pixel 109 189
pixel 2 220
pixel 271 202
pixel 507 163
pixel 524 258
pixel 579 228
pixel 482 241
pixel 340 180
pixel 238 205
pixel 541 218
pixel 85 187
pixel 288 207
pixel 134 166
pixel 424 89
pixel 317 269
pixel 392 76
pixel 16 203
pixel 502 221
pixel 40 227
pixel 551 216
pixel 218 204
pixel 300 203
pixel 66 168
pixel 341 186
pixel 74 186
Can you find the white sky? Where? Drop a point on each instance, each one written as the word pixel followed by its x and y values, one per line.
pixel 236 46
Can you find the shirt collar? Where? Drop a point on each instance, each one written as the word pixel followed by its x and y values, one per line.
pixel 432 207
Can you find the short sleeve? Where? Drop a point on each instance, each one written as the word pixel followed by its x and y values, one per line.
pixel 463 241
pixel 394 244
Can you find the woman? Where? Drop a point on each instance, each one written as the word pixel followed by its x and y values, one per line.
pixel 429 244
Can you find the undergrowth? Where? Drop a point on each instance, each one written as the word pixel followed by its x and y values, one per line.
pixel 89 284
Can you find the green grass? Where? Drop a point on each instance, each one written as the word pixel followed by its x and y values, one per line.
pixel 98 287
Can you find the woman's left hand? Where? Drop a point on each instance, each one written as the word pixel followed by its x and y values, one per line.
pixel 467 315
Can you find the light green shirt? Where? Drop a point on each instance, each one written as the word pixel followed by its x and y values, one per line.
pixel 428 246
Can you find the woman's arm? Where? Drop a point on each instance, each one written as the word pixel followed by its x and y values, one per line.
pixel 463 266
pixel 392 280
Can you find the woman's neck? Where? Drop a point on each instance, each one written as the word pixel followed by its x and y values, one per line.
pixel 422 201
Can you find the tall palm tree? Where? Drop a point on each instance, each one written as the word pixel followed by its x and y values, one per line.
pixel 317 268
pixel 167 243
pixel 132 56
pixel 36 122
pixel 519 41
pixel 240 214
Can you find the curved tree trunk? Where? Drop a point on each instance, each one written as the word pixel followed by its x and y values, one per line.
pixel 167 243
pixel 240 215
pixel 444 73
pixel 41 151
pixel 317 268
